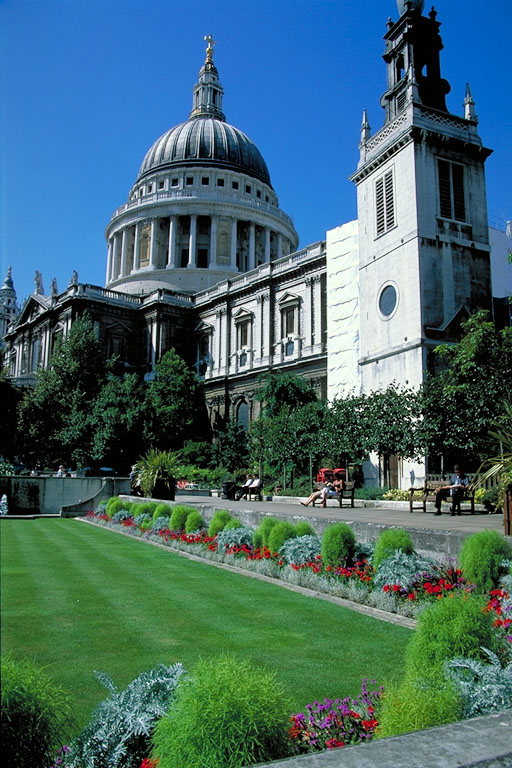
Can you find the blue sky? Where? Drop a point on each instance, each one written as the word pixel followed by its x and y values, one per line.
pixel 88 85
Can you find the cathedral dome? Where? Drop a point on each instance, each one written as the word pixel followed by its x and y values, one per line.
pixel 202 209
pixel 206 141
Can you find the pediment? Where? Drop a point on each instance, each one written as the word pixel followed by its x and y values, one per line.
pixel 242 314
pixel 118 327
pixel 35 305
pixel 203 327
pixel 288 298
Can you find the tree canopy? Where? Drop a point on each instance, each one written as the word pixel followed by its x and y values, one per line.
pixel 55 422
pixel 466 399
pixel 177 405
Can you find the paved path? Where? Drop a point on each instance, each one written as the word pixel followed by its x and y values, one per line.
pixel 388 515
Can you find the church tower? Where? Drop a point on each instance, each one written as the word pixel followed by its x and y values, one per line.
pixel 424 256
pixel 9 309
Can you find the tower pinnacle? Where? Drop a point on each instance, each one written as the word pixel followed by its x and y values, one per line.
pixel 469 105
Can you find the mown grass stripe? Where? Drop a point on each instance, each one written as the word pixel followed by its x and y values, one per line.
pixel 79 598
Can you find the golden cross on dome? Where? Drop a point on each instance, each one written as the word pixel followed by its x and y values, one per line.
pixel 209 51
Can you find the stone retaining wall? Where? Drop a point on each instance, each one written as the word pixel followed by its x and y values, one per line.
pixel 50 495
pixel 485 742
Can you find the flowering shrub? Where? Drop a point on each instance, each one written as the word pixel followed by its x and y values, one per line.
pixel 332 724
pixel 415 578
pixel 500 604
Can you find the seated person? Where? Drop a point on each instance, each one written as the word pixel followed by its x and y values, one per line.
pixel 314 495
pixel 332 490
pixel 255 486
pixel 458 484
pixel 244 488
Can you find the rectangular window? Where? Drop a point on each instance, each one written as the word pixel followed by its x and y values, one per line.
pixel 243 334
pixel 205 181
pixel 174 182
pixel 451 190
pixel 190 181
pixel 248 189
pixel 234 184
pixel 384 203
pixel 288 315
pixel 220 182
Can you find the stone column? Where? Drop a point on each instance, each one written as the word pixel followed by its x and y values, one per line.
pixel 171 257
pixel 252 246
pixel 136 253
pixel 279 245
pixel 153 343
pixel 267 244
pixel 308 315
pixel 317 304
pixel 218 337
pixel 212 260
pixel 124 243
pixel 116 259
pixel 152 247
pixel 110 255
pixel 47 345
pixel 192 259
pixel 234 237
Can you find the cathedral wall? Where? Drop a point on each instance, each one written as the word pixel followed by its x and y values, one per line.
pixel 343 374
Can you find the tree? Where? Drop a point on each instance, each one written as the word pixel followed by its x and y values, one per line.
pixel 231 448
pixel 291 438
pixel 177 405
pixel 55 423
pixel 390 422
pixel 280 389
pixel 466 400
pixel 345 437
pixel 119 418
pixel 9 397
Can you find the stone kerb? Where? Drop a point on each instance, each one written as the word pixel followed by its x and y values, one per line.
pixel 483 741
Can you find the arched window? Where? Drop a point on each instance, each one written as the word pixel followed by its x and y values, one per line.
pixel 242 414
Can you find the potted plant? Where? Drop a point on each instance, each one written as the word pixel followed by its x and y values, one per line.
pixel 156 473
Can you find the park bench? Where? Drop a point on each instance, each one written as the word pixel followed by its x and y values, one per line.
pixel 346 494
pixel 255 492
pixel 418 497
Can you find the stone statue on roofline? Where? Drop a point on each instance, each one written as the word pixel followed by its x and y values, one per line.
pixel 38 282
pixel 54 291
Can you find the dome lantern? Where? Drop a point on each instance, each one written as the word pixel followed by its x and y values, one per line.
pixel 207 93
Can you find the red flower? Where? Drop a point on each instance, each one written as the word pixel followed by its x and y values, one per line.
pixel 334 744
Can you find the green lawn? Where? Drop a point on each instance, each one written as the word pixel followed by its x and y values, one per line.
pixel 77 598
